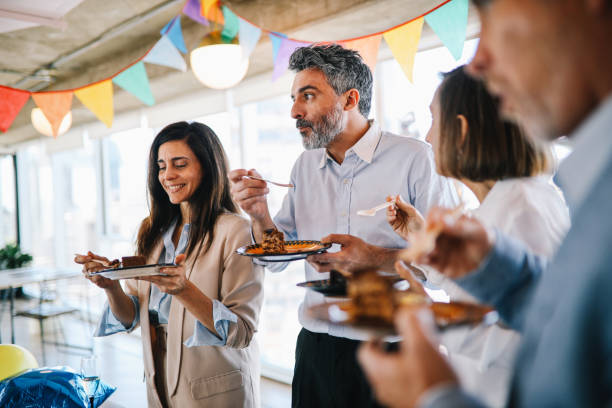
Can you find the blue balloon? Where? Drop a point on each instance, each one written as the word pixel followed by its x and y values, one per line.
pixel 57 387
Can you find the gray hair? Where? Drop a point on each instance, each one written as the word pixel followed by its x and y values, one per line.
pixel 344 69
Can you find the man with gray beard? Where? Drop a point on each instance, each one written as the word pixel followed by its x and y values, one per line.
pixel 349 165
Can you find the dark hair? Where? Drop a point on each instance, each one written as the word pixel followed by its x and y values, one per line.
pixel 493 149
pixel 209 200
pixel 344 69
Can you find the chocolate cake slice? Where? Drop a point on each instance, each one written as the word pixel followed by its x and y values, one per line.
pixel 130 261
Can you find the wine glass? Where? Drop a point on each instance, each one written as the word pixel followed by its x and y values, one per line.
pixel 91 376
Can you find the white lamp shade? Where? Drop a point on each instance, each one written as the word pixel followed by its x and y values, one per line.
pixel 42 125
pixel 219 66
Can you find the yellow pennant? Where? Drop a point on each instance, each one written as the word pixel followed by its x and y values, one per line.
pixel 98 98
pixel 403 42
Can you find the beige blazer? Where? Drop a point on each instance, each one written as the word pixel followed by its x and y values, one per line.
pixel 210 376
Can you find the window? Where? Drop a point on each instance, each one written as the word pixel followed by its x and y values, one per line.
pixel 272 145
pixel 8 208
pixel 405 106
pixel 125 158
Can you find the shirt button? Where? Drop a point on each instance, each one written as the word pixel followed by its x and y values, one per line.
pixel 343 213
pixel 346 181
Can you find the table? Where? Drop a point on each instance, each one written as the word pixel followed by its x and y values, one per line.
pixel 15 278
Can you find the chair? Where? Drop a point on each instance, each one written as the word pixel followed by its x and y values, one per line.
pixel 44 311
pixel 15 359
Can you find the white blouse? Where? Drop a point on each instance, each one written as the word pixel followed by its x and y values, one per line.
pixel 533 211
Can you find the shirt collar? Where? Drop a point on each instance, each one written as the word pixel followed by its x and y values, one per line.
pixel 364 148
pixel 182 244
pixel 592 151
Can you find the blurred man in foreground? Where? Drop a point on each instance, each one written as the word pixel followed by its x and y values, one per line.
pixel 551 66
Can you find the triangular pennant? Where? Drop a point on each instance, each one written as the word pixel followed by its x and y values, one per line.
pixel 281 62
pixel 54 105
pixel 248 35
pixel 192 10
pixel 366 47
pixel 211 10
pixel 206 7
pixel 11 102
pixel 175 34
pixel 165 53
pixel 449 22
pixel 135 81
pixel 98 98
pixel 277 39
pixel 403 42
pixel 232 25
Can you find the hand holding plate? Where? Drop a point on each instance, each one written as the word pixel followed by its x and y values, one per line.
pixel 355 255
pixel 400 379
pixel 174 279
pixel 92 263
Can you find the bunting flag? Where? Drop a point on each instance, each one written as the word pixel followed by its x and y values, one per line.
pixel 135 81
pixel 232 25
pixel 277 39
pixel 192 10
pixel 206 8
pixel 211 10
pixel 11 102
pixel 98 98
pixel 281 60
pixel 54 105
pixel 403 42
pixel 248 35
pixel 449 22
pixel 366 47
pixel 165 53
pixel 175 34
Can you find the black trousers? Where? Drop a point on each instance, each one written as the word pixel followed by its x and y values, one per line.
pixel 327 373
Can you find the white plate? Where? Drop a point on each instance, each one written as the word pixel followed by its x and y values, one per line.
pixel 132 272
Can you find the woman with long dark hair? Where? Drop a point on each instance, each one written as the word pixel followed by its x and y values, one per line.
pixel 506 171
pixel 198 321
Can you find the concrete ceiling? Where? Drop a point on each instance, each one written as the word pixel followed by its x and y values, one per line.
pixel 101 38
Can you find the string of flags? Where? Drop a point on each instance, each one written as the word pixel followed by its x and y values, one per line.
pixel 448 20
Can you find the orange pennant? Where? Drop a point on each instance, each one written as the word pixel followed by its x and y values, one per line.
pixel 366 47
pixel 210 10
pixel 55 105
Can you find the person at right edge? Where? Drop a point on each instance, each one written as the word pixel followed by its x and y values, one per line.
pixel 550 64
pixel 349 165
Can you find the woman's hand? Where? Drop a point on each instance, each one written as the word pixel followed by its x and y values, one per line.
pixel 175 280
pixel 92 263
pixel 403 217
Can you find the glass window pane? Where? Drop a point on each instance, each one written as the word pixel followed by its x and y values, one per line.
pixel 272 145
pixel 8 215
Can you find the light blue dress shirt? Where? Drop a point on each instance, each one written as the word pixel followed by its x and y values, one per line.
pixel 159 303
pixel 327 196
pixel 562 307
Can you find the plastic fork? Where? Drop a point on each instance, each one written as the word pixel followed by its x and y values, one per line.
pixel 271 182
pixel 372 211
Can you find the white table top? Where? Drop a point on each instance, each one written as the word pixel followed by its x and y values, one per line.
pixel 14 278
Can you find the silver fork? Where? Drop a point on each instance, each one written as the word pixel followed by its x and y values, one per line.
pixel 372 211
pixel 271 182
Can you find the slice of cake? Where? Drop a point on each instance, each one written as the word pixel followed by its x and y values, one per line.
pixel 131 261
pixel 273 241
pixel 372 297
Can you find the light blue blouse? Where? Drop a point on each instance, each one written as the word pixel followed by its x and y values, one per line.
pixel 159 303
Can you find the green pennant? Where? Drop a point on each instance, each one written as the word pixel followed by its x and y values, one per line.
pixel 135 81
pixel 449 22
pixel 232 25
